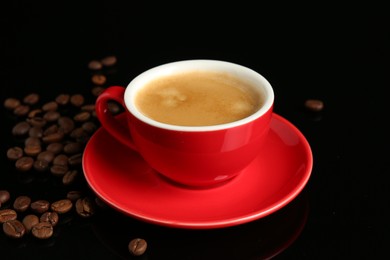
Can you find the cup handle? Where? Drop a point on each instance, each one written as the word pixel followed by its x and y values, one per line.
pixel 108 120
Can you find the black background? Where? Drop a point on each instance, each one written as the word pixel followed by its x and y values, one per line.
pixel 334 53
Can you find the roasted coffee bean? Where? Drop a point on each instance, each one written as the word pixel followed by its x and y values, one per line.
pixel 74 195
pixel 22 203
pixel 61 159
pixel 50 106
pixel 4 196
pixel 55 148
pixel 36 121
pixel 41 165
pixel 95 65
pixel 32 150
pixel 14 153
pixel 89 107
pixel 77 100
pixel 137 246
pixel 315 105
pixel 7 214
pixel 24 163
pixel 85 207
pixel 29 221
pixel 51 217
pixel 53 138
pixel 62 99
pixel 69 177
pixel 89 127
pixel 32 141
pixel 59 170
pixel 109 61
pixel 31 99
pixel 66 124
pixel 21 128
pixel 78 133
pixel 51 116
pixel 34 113
pixel 75 159
pixel 11 103
pixel 96 91
pixel 98 79
pixel 61 206
pixel 40 206
pixel 35 131
pixel 42 230
pixel 22 110
pixel 14 228
pixel 51 130
pixel 72 148
pixel 82 116
pixel 47 156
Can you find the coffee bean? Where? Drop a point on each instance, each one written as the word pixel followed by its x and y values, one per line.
pixel 14 228
pixel 37 121
pixel 59 170
pixel 51 130
pixel 21 128
pixel 315 105
pixel 61 159
pixel 95 65
pixel 51 217
pixel 72 148
pixel 11 103
pixel 66 124
pixel 22 203
pixel 85 207
pixel 47 156
pixel 69 177
pixel 98 79
pixel 89 107
pixel 89 127
pixel 34 113
pixel 32 141
pixel 50 106
pixel 22 110
pixel 77 100
pixel 35 131
pixel 96 91
pixel 55 148
pixel 42 230
pixel 40 206
pixel 74 195
pixel 51 116
pixel 53 138
pixel 14 153
pixel 24 163
pixel 29 221
pixel 41 165
pixel 109 61
pixel 61 206
pixel 31 99
pixel 137 246
pixel 62 99
pixel 4 196
pixel 7 214
pixel 32 150
pixel 75 159
pixel 82 116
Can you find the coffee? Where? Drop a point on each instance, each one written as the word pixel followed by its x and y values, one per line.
pixel 198 99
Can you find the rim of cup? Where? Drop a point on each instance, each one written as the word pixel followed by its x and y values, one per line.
pixel 240 71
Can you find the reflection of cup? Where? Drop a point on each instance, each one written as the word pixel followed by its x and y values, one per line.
pixel 197 122
pixel 265 238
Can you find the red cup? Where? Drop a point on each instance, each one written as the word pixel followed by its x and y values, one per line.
pixel 195 156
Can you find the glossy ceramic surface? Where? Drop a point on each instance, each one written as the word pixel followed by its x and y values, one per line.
pixel 272 180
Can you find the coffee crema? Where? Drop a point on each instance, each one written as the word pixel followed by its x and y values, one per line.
pixel 198 98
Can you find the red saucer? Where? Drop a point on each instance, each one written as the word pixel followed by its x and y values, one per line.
pixel 123 180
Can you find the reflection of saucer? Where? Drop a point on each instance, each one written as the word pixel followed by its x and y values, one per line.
pixel 122 179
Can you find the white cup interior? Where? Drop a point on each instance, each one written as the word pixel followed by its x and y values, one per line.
pixel 253 78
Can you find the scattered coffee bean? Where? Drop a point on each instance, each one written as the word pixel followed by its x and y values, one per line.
pixel 51 116
pixel 42 230
pixel 59 170
pixel 66 124
pixel 85 207
pixel 22 203
pixel 41 165
pixel 36 121
pixel 98 79
pixel 35 131
pixel 109 61
pixel 31 99
pixel 95 65
pixel 34 113
pixel 29 221
pixel 96 91
pixel 89 127
pixel 4 196
pixel 55 148
pixel 50 106
pixel 7 214
pixel 22 110
pixel 77 100
pixel 62 99
pixel 24 163
pixel 11 103
pixel 21 128
pixel 14 153
pixel 53 138
pixel 69 177
pixel 137 246
pixel 315 105
pixel 75 159
pixel 51 217
pixel 47 156
pixel 74 195
pixel 14 228
pixel 61 206
pixel 40 206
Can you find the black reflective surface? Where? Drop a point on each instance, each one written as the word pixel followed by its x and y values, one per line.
pixel 340 56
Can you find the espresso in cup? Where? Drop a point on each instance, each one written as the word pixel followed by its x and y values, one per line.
pixel 197 123
pixel 198 98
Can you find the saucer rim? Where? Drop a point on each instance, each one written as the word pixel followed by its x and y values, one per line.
pixel 227 222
